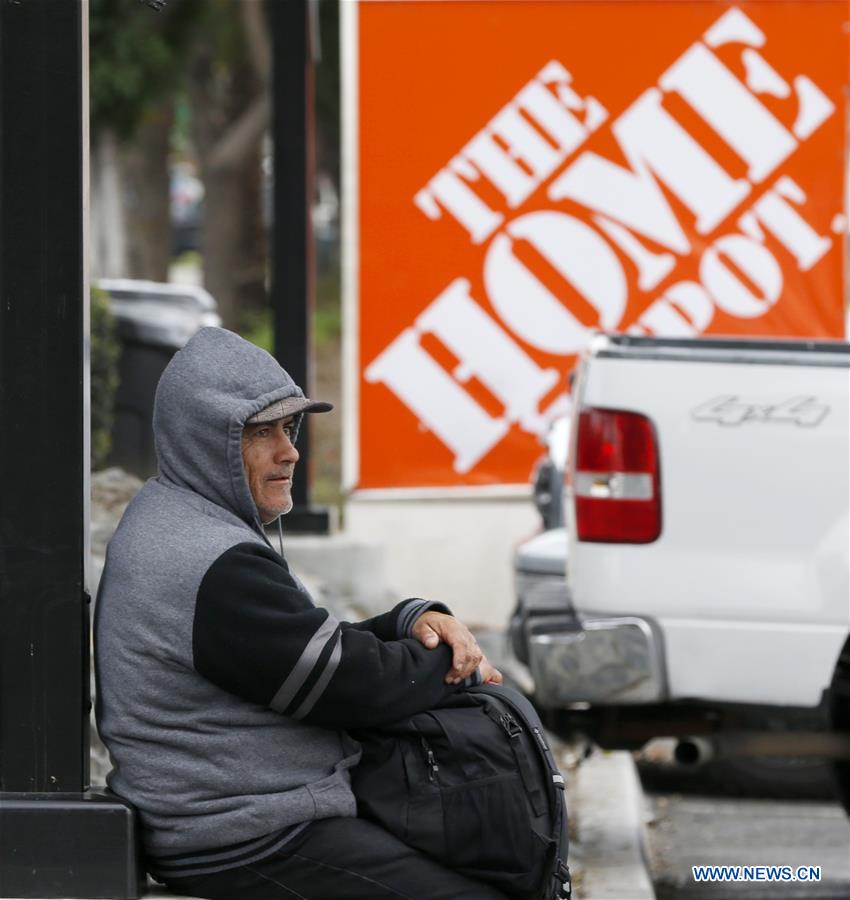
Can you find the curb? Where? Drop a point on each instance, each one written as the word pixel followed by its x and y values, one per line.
pixel 609 822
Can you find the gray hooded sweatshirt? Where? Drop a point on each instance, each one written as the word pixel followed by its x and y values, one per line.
pixel 223 691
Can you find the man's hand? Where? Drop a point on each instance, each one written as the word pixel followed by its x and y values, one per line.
pixel 433 627
pixel 489 674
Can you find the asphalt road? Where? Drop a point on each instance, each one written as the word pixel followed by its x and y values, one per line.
pixel 684 830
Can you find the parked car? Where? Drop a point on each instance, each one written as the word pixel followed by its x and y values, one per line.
pixel 186 207
pixel 547 476
pixel 540 563
pixel 153 321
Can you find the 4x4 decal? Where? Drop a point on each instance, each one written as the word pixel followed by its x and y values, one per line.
pixel 731 410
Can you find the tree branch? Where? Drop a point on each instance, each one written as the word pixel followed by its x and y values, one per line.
pixel 242 137
pixel 257 39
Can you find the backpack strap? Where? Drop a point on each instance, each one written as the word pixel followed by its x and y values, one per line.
pixel 565 882
pixel 513 730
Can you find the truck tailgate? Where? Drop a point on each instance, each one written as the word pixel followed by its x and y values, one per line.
pixel 751 566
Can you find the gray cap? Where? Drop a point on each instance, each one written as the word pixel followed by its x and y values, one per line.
pixel 290 406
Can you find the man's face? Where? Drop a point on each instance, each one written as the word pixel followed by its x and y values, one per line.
pixel 269 458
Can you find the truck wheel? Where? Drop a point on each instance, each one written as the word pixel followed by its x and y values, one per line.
pixel 840 713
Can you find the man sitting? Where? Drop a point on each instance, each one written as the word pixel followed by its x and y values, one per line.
pixel 223 691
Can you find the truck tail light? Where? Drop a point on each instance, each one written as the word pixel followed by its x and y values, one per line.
pixel 616 479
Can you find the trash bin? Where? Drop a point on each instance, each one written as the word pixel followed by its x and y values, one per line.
pixel 153 321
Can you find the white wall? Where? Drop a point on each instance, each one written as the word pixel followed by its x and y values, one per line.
pixel 456 549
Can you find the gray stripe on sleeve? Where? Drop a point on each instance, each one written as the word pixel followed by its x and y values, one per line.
pixel 322 683
pixel 408 615
pixel 287 691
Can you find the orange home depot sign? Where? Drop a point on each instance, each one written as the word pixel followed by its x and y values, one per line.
pixel 532 171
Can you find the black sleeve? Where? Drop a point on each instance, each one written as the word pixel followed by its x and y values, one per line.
pixel 397 623
pixel 258 635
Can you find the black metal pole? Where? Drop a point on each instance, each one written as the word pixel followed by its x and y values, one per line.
pixel 44 644
pixel 56 838
pixel 292 247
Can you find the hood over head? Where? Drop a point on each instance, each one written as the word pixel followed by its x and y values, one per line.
pixel 205 395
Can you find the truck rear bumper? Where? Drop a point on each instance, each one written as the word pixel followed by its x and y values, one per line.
pixel 600 661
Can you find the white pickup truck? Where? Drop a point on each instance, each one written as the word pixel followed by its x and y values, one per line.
pixel 708 584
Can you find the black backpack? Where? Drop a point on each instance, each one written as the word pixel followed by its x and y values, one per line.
pixel 473 784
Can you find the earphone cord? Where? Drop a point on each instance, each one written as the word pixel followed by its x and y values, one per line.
pixel 280 533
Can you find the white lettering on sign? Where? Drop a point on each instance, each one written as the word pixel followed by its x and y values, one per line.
pixel 487 353
pixel 685 310
pixel 814 107
pixel 630 197
pixel 553 106
pixel 446 190
pixel 484 351
pixel 579 254
pixel 437 400
pixel 650 137
pixel 762 78
pixel 728 291
pixel 733 27
pixel 737 116
pixel 786 224
pixel 554 274
pixel 652 268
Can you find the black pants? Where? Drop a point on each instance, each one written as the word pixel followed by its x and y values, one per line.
pixel 338 859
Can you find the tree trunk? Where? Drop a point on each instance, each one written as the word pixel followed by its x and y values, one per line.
pixel 145 165
pixel 222 228
pixel 230 113
pixel 108 225
pixel 252 264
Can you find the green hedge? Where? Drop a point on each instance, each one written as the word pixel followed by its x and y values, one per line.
pixel 105 351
